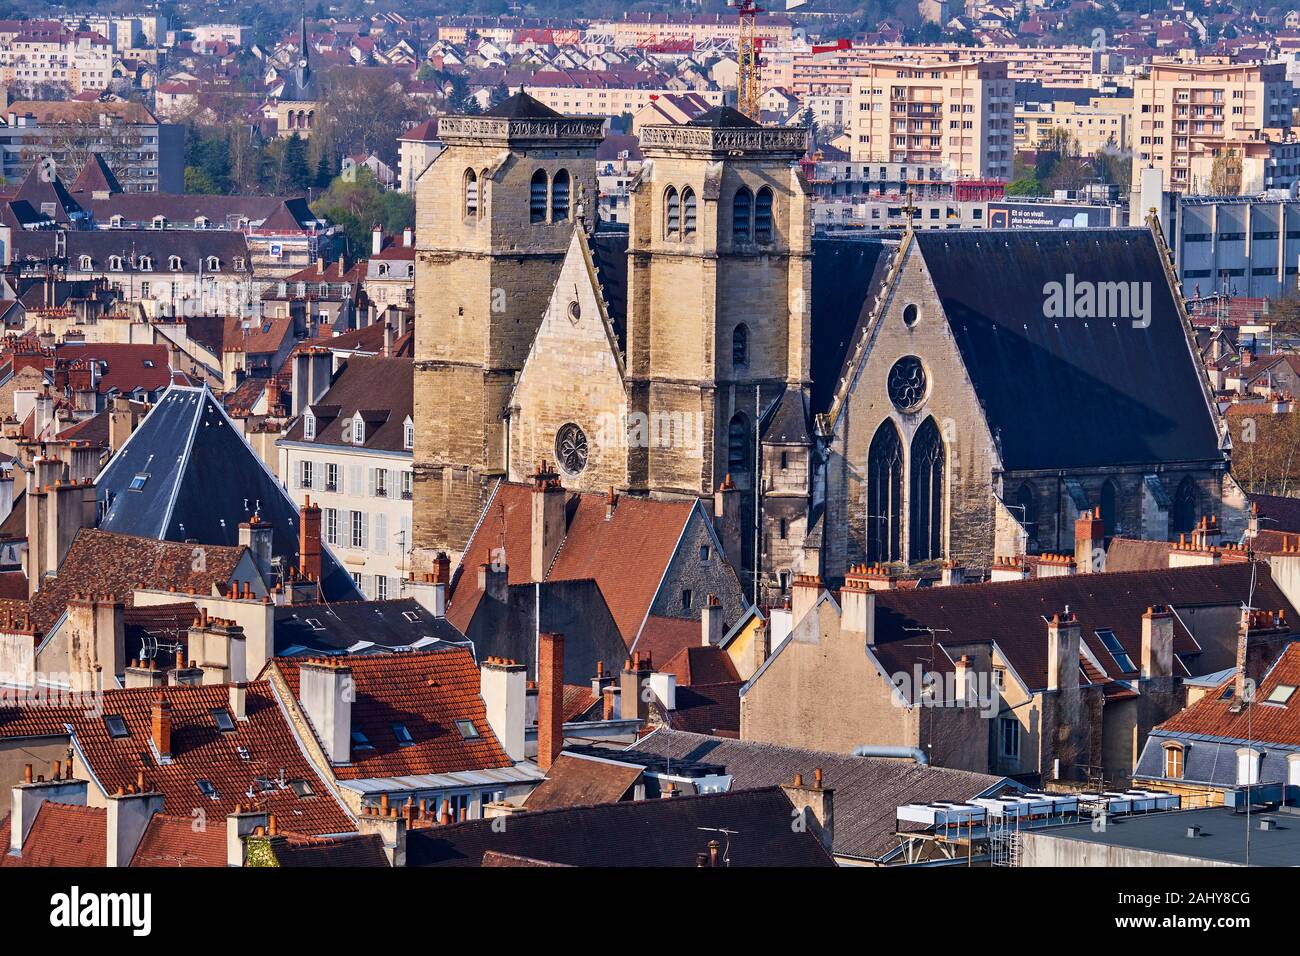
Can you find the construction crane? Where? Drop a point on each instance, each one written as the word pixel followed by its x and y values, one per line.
pixel 750 84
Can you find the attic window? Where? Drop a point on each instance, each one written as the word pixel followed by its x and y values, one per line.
pixel 358 431
pixel 214 264
pixel 404 738
pixel 206 788
pixel 1280 695
pixel 361 742
pixel 302 788
pixel 225 723
pixel 408 435
pixel 309 427
pixel 116 727
pixel 148 363
pixel 315 624
pixel 411 617
pixel 1112 644
pixel 174 263
pixel 467 729
pixel 86 264
pixel 138 482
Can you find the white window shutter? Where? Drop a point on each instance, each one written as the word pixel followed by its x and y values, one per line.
pixel 373 481
pixel 365 531
pixel 356 483
pixel 381 533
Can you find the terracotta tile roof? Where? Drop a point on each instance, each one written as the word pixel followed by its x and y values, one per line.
pixel 255 337
pixel 627 556
pixel 101 562
pixel 1266 723
pixel 362 849
pixel 61 835
pixel 701 665
pixel 172 841
pixel 664 638
pixel 381 389
pixel 123 367
pixel 199 751
pixel 575 781
pixel 424 691
pixel 578 699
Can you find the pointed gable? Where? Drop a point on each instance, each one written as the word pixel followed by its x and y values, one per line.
pixel 97 178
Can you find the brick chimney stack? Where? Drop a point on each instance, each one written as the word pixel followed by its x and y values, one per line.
pixel 711 622
pixel 1089 543
pixel 633 682
pixel 1157 643
pixel 550 698
pixel 548 525
pixel 161 725
pixel 309 547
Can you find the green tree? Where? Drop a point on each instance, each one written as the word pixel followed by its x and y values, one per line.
pixel 356 203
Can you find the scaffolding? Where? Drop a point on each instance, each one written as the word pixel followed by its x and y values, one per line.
pixel 750 80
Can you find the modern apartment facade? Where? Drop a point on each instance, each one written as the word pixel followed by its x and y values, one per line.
pixel 958 115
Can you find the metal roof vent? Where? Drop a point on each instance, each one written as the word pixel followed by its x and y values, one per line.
pixel 1267 823
pixel 1193 832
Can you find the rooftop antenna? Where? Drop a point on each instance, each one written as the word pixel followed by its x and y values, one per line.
pixel 726 849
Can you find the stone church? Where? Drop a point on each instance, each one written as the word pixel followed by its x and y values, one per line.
pixel 899 400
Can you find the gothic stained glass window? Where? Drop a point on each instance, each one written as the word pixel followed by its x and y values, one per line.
pixel 906 383
pixel 885 495
pixel 1183 519
pixel 927 493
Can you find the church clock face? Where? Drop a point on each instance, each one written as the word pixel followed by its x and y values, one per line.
pixel 571 449
pixel 907 384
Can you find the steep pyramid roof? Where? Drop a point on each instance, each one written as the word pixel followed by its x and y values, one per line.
pixel 187 474
pixel 522 106
pixel 96 177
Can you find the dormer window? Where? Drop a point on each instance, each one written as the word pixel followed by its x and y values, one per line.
pixel 239 263
pixel 383 268
pixel 214 264
pixel 202 222
pixel 309 426
pixel 174 263
pixel 85 264
pixel 115 263
pixel 117 222
pixel 160 222
pixel 146 263
pixel 1174 754
pixel 408 434
pixel 358 429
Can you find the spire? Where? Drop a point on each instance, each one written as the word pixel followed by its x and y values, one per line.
pixel 302 40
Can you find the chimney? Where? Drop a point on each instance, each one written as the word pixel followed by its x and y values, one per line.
pixel 816 805
pixel 962 674
pixel 238 699
pixel 218 647
pixel 376 240
pixel 762 645
pixel 548 520
pixel 1008 569
pixel 161 725
pixel 858 605
pixel 804 592
pixel 711 622
pixel 1157 643
pixel 1243 642
pixel 127 817
pixel 388 339
pixel 1063 634
pixel 1055 565
pixel 256 535
pixel 726 519
pixel 664 687
pixel 326 691
pixel 632 684
pixel 952 574
pixel 28 796
pixel 239 824
pixel 391 826
pixel 602 680
pixel 144 674
pixel 550 698
pixel 1252 523
pixel 408 237
pixel 1089 543
pixel 494 581
pixel 309 548
pixel 503 684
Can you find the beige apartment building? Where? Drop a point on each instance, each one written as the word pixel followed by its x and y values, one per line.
pixel 1213 108
pixel 1103 122
pixel 610 100
pixel 958 115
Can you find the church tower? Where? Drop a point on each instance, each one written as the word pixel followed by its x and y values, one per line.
pixel 495 213
pixel 719 285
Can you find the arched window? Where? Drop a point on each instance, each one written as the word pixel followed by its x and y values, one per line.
pixel 1025 508
pixel 688 213
pixel 146 263
pixel 1108 506
pixel 763 216
pixel 115 263
pixel 471 194
pixel 214 264
pixel 560 197
pixel 537 197
pixel 174 263
pixel 85 263
pixel 742 215
pixel 1173 760
pixel 739 439
pixel 740 345
pixel 672 213
pixel 885 495
pixel 927 493
pixel 1183 518
pixel 311 118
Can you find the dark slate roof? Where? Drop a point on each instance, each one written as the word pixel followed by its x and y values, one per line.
pixel 1277 512
pixel 192 245
pixel 868 790
pixel 609 252
pixel 522 106
pixel 1071 392
pixel 669 833
pixel 358 627
pixel 846 275
pixel 787 422
pixel 284 214
pixel 727 116
pixel 203 480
